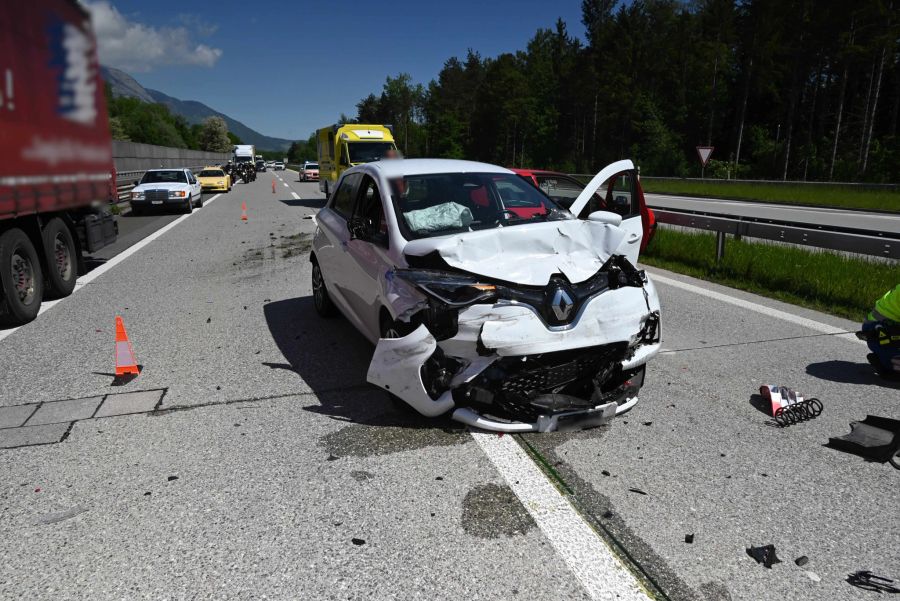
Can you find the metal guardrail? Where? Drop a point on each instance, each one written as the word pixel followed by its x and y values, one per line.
pixel 863 242
pixel 773 182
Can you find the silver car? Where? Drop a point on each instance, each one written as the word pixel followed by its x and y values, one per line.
pixel 484 298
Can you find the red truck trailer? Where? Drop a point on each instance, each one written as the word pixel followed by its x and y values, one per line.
pixel 56 173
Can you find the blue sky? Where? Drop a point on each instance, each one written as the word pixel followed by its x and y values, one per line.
pixel 287 68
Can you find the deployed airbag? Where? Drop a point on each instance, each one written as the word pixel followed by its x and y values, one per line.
pixel 445 216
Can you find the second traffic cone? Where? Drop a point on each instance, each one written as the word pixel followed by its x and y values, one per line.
pixel 126 364
pixel 273 186
pixel 244 211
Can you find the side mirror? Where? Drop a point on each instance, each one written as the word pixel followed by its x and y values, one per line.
pixel 137 183
pixel 607 217
pixel 357 228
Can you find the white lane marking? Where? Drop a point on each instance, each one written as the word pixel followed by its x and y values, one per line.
pixel 295 195
pixel 96 273
pixel 285 185
pixel 594 565
pixel 818 326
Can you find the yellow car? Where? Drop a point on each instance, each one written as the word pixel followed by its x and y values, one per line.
pixel 213 179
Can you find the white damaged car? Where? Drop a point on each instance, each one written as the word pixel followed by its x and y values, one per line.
pixel 486 299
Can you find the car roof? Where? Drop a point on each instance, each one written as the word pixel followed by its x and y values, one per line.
pixel 169 169
pixel 535 172
pixel 401 167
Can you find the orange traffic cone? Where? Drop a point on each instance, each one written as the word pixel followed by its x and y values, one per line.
pixel 126 364
pixel 273 186
pixel 244 211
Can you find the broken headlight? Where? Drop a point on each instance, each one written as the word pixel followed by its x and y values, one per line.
pixel 456 290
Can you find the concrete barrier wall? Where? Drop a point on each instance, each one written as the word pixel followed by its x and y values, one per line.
pixel 131 156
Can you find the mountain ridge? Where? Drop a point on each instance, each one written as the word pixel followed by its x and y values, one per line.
pixel 194 111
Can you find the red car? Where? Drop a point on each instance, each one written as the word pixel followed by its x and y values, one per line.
pixel 564 189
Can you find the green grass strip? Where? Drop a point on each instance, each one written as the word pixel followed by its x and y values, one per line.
pixel 812 194
pixel 825 281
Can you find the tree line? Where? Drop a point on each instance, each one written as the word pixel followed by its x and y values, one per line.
pixel 153 123
pixel 783 89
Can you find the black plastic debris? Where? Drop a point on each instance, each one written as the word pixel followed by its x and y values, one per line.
pixel 689 539
pixel 357 541
pixel 607 515
pixel 802 560
pixel 764 555
pixel 866 580
pixel 605 472
pixel 332 458
pixel 148 493
pixel 648 423
pixel 439 478
pixel 875 438
pixel 170 478
pixel 637 490
pixel 208 319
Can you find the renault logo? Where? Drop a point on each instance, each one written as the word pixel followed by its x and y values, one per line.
pixel 561 304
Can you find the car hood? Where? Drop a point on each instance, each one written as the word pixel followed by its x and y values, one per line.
pixel 528 254
pixel 161 186
pixel 211 177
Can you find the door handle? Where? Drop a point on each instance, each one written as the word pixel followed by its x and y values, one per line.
pixel 634 237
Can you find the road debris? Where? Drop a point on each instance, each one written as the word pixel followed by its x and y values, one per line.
pixel 865 579
pixel 637 490
pixel 59 516
pixel 875 438
pixel 171 478
pixel 689 539
pixel 802 560
pixel 357 541
pixel 764 555
pixel 788 407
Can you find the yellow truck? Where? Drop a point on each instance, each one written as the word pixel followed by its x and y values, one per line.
pixel 342 146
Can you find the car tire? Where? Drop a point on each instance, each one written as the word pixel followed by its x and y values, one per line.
pixel 200 201
pixel 188 206
pixel 321 300
pixel 21 279
pixel 60 257
pixel 136 211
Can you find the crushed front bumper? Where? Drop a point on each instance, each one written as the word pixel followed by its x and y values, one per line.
pixel 502 368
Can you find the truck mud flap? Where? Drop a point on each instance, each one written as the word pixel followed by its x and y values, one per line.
pixel 397 368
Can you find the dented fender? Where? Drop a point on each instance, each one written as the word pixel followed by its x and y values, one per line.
pixel 397 368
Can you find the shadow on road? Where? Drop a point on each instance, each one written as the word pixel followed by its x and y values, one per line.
pixel 847 372
pixel 309 203
pixel 332 358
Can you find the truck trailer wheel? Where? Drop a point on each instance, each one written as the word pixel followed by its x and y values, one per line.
pixel 60 256
pixel 21 280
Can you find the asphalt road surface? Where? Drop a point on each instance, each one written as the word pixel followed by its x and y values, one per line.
pixel 251 460
pixel 837 218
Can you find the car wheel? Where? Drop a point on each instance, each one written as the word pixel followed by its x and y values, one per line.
pixel 200 201
pixel 188 206
pixel 60 258
pixel 324 305
pixel 21 280
pixel 136 211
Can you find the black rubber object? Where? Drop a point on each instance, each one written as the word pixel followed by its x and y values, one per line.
pixel 12 311
pixel 58 286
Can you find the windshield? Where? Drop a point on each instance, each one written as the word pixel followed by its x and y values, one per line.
pixel 212 173
pixel 366 152
pixel 243 160
pixel 445 203
pixel 312 166
pixel 164 177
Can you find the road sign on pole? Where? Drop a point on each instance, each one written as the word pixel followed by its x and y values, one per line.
pixel 704 152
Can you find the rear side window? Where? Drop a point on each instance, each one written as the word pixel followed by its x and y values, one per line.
pixel 343 196
pixel 370 209
pixel 561 189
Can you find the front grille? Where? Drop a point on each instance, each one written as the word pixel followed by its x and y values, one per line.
pixel 152 195
pixel 511 384
pixel 549 373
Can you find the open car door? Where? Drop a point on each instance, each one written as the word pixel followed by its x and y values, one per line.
pixel 615 188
